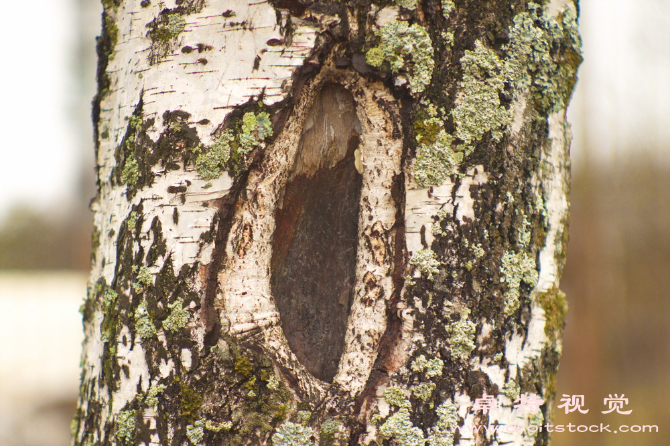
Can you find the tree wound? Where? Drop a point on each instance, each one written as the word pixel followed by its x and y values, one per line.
pixel 316 236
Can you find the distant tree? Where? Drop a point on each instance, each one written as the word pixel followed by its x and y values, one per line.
pixel 327 222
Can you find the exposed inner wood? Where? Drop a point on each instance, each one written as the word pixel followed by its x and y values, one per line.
pixel 316 236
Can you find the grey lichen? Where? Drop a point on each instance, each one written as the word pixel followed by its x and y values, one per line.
pixel 462 337
pixel 423 391
pixel 426 261
pixel 447 7
pixel 303 417
pixel 478 109
pixel 125 425
pixel 167 27
pixel 407 48
pixel 177 318
pixel 144 279
pixel 399 427
pixel 151 397
pixel 511 390
pixel 293 434
pixel 273 383
pixel 524 233
pixel 395 396
pixel 176 24
pixel 541 57
pixel 447 415
pixel 221 427
pixel 328 432
pixel 436 160
pixel 109 298
pixel 516 268
pixel 536 420
pixel 535 60
pixel 330 427
pixel 409 4
pixel 144 326
pixel 447 419
pixel 195 432
pixel 432 367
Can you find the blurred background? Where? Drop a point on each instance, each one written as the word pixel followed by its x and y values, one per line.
pixel 617 277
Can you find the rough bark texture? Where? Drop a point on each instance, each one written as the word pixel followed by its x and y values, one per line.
pixel 327 222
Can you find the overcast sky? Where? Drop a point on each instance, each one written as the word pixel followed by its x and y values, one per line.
pixel 621 106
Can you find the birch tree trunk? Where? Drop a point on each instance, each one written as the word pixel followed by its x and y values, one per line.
pixel 327 222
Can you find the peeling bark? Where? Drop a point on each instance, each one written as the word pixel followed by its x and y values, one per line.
pixel 327 223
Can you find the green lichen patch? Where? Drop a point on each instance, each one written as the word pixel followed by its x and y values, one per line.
pixel 125 425
pixel 151 397
pixel 423 391
pixel 409 4
pixel 544 54
pixel 462 337
pixel 220 427
pixel 232 147
pixel 516 268
pixel 426 262
pixel 211 163
pixel 303 417
pixel 541 58
pixel 447 7
pixel 143 280
pixel 177 318
pixel 447 419
pixel 131 221
pixel 255 128
pixel 131 172
pixel 329 428
pixel 400 428
pixel 293 434
pixel 257 402
pixel 511 389
pixel 555 306
pixel 109 299
pixel 478 110
pixel 407 49
pixel 436 160
pixel 191 401
pixel 395 396
pixel 144 326
pixel 447 415
pixel 432 367
pixel 167 27
pixel 195 432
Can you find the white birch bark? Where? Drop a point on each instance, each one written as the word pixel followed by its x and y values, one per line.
pixel 462 154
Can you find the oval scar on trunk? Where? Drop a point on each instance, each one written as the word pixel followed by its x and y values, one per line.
pixel 316 235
